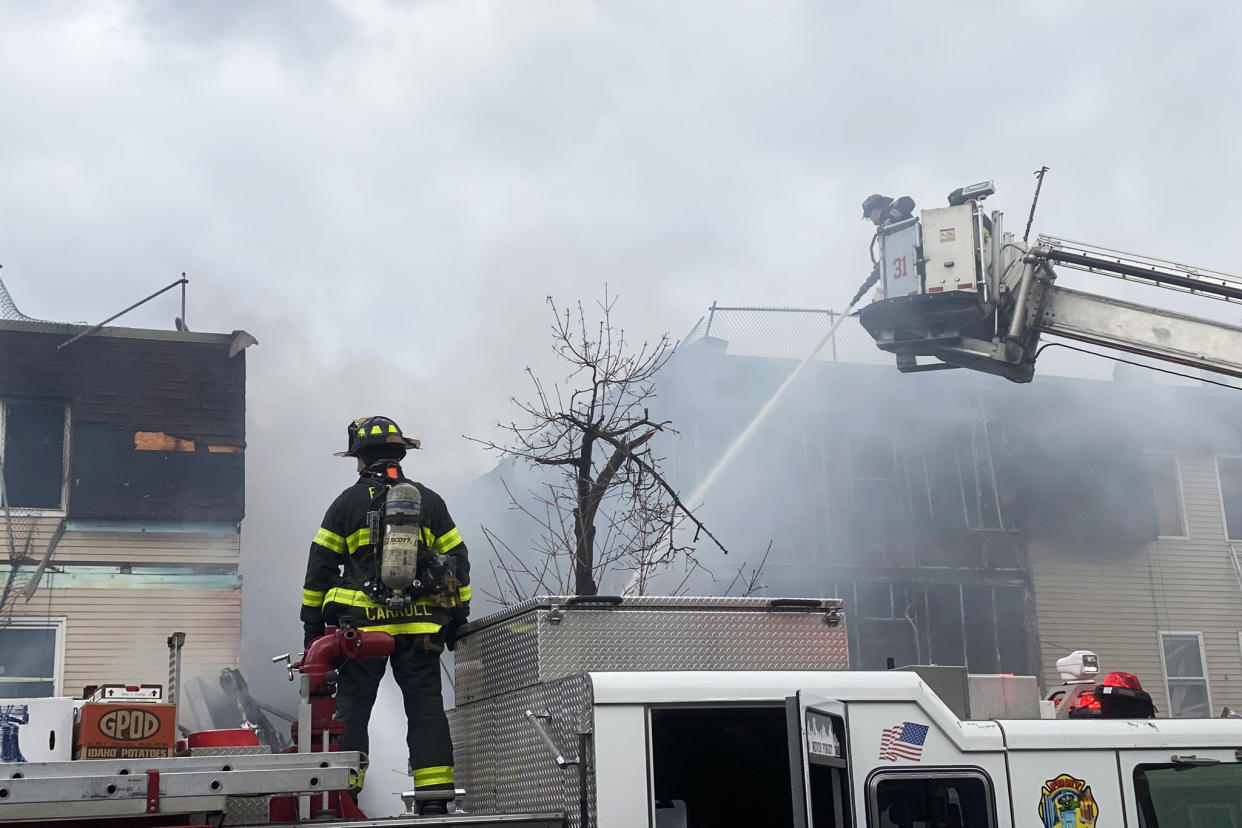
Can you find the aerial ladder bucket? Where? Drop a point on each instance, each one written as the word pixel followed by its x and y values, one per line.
pixel 958 289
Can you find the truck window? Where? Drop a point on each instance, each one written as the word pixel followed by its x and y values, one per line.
pixel 1189 796
pixel 931 799
pixel 721 766
pixel 829 796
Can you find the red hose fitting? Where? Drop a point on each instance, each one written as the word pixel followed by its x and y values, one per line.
pixel 327 652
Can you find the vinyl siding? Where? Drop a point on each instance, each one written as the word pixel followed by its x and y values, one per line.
pixel 117 623
pixel 119 636
pixel 1117 602
pixel 221 549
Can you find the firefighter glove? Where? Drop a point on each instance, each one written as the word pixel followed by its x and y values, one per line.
pixel 310 634
pixel 451 630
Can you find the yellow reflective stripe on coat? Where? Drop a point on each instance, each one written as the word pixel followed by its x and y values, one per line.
pixel 403 628
pixel 330 540
pixel 360 538
pixel 448 541
pixel 312 598
pixel 439 775
pixel 463 593
pixel 358 598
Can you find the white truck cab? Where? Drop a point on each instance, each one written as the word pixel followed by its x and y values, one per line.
pixel 878 749
pixel 633 713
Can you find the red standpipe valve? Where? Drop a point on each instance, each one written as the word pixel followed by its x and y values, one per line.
pixel 327 651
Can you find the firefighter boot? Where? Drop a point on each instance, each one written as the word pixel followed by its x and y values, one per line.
pixel 433 807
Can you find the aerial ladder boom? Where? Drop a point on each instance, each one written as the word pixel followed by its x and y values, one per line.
pixel 968 297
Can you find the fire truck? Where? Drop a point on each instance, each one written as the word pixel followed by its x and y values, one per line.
pixel 643 712
pixel 613 712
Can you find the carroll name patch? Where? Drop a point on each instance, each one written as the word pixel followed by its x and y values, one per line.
pixel 1066 802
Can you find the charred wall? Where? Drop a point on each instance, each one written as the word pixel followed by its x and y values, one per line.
pixel 157 425
pixel 916 497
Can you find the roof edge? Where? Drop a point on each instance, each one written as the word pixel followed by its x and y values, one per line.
pixel 69 330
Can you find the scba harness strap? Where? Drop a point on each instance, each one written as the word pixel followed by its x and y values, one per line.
pixel 406 567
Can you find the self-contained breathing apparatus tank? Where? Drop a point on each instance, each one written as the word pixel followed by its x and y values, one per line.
pixel 406 566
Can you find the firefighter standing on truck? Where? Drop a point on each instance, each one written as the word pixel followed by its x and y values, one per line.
pixel 423 619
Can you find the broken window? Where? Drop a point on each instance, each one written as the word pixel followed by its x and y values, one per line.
pixel 873 471
pixel 879 496
pixel 1166 486
pixel 32 454
pixel 918 487
pixel 944 624
pixel 872 457
pixel 979 626
pixel 961 479
pixel 944 482
pixel 974 457
pixel 980 611
pixel 1230 470
pixel 1010 604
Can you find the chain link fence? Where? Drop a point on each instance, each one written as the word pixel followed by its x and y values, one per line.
pixel 788 333
pixel 8 309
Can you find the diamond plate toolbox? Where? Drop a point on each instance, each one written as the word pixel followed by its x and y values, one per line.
pixel 505 767
pixel 549 638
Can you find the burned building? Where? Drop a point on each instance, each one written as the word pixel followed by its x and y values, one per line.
pixel 968 520
pixel 123 493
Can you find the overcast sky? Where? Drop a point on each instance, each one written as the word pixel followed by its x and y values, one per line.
pixel 384 193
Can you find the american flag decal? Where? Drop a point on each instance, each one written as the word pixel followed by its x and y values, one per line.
pixel 904 741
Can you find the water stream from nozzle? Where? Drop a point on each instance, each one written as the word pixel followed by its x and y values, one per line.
pixel 696 497
pixel 742 439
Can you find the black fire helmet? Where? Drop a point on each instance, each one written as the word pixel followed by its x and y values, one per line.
pixel 365 432
pixel 875 201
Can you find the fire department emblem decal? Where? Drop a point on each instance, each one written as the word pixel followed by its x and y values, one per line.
pixel 1066 802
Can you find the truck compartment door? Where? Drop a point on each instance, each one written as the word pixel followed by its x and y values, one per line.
pixel 818 761
pixel 899 260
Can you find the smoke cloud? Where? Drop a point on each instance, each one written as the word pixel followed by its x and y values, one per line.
pixel 384 193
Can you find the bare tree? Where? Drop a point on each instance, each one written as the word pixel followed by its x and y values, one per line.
pixel 607 506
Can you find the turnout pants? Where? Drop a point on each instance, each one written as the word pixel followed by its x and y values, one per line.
pixel 416 667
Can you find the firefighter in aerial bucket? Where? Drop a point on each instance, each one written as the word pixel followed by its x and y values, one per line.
pixel 388 557
pixel 881 211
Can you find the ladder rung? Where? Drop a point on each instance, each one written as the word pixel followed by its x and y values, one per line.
pixel 1143 269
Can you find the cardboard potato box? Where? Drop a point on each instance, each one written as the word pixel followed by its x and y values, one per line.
pixel 36 730
pixel 108 730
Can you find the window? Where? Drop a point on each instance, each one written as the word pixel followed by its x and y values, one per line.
pixel 961 479
pixel 974 456
pixel 960 798
pixel 1164 473
pixel 30 658
pixel 873 471
pixel 32 454
pixel 879 498
pixel 1187 796
pixel 1230 471
pixel 697 753
pixel 1186 674
pixel 980 626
